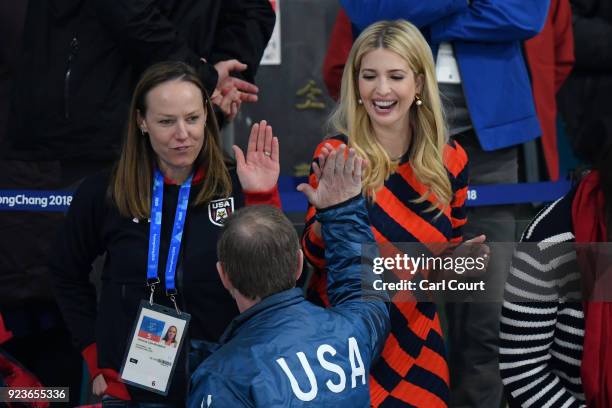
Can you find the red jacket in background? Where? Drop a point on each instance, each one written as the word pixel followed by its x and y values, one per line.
pixel 550 56
pixel 339 47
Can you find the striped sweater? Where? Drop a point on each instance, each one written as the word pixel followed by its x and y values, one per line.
pixel 542 323
pixel 412 370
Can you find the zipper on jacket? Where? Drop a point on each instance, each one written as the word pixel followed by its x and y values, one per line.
pixel 74 48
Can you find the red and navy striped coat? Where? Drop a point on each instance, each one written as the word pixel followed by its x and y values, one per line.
pixel 413 369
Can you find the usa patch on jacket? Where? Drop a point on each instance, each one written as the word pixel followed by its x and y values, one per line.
pixel 219 210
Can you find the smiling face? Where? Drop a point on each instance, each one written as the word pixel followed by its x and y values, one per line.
pixel 175 120
pixel 387 87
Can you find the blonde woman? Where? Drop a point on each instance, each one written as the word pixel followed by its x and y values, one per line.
pixel 416 183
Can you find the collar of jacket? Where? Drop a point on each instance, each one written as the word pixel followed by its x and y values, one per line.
pixel 274 302
pixel 198 176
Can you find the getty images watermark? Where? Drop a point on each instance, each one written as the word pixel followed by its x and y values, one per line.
pixel 430 265
pixel 492 272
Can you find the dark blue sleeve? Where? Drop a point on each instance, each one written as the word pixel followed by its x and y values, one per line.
pixel 345 228
pixel 350 286
pixel 493 21
pixel 421 13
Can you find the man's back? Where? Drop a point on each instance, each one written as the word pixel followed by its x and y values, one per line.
pixel 283 351
pixel 288 352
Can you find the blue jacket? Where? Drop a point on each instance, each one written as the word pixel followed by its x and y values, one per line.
pixel 487 37
pixel 287 352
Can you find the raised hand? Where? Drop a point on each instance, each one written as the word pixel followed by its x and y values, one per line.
pixel 259 171
pixel 230 92
pixel 339 176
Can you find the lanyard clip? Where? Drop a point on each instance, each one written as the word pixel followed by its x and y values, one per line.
pixel 151 283
pixel 173 299
pixel 171 293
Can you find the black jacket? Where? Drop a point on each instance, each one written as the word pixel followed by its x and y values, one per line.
pixel 93 226
pixel 584 100
pixel 81 59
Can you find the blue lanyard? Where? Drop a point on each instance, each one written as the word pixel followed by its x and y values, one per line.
pixel 155 231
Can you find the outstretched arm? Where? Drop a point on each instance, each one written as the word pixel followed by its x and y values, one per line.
pixel 312 241
pixel 345 227
pixel 342 213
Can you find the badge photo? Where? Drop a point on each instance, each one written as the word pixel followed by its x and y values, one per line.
pixel 220 210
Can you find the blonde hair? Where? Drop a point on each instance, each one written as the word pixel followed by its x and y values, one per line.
pixel 429 135
pixel 132 177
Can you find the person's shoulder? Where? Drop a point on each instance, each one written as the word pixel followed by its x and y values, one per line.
pixel 230 359
pixel 455 157
pixel 95 186
pixel 90 198
pixel 553 222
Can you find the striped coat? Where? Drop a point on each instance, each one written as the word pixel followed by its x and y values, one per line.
pixel 413 369
pixel 542 323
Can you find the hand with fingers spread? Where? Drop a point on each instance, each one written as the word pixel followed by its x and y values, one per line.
pixel 259 171
pixel 231 92
pixel 339 176
pixel 243 91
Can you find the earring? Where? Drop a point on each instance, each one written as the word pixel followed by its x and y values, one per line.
pixel 142 131
pixel 418 100
pixel 359 101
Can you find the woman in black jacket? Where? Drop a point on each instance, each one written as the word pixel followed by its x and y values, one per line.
pixel 172 140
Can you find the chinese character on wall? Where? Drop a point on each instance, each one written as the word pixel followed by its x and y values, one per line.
pixel 310 94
